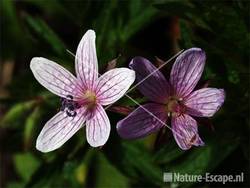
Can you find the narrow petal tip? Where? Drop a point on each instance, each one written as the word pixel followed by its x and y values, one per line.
pixel 34 62
pixel 41 147
pixel 90 32
pixel 135 60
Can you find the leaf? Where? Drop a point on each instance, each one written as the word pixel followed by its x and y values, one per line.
pixel 30 125
pixel 25 164
pixel 138 21
pixel 203 159
pixel 168 153
pixel 107 175
pixel 186 10
pixel 16 113
pixel 10 25
pixel 44 32
pixel 135 161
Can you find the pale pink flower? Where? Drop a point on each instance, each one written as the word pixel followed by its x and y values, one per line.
pixel 82 96
pixel 175 100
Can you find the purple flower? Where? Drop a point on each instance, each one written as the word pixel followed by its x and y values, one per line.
pixel 82 96
pixel 175 99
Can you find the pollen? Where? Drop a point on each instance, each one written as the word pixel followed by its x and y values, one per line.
pixel 175 106
pixel 90 99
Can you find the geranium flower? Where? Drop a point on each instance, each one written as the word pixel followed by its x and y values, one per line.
pixel 82 96
pixel 175 100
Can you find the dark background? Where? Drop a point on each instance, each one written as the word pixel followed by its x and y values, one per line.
pixel 147 28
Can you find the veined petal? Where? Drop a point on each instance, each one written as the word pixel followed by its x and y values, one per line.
pixel 187 71
pixel 113 84
pixel 55 78
pixel 98 128
pixel 153 84
pixel 140 122
pixel 86 60
pixel 58 130
pixel 205 102
pixel 185 132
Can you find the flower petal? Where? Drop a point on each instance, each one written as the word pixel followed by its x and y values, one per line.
pixel 113 84
pixel 155 87
pixel 185 132
pixel 205 102
pixel 98 128
pixel 141 123
pixel 187 71
pixel 86 60
pixel 58 130
pixel 55 78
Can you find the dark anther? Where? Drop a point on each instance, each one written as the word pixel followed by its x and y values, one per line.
pixel 69 97
pixel 69 106
pixel 71 113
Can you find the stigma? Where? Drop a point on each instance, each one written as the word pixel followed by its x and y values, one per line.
pixel 89 99
pixel 175 106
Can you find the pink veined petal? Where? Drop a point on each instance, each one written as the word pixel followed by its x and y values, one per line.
pixel 140 123
pixel 205 102
pixel 155 87
pixel 55 78
pixel 86 60
pixel 185 132
pixel 58 130
pixel 98 128
pixel 187 71
pixel 113 84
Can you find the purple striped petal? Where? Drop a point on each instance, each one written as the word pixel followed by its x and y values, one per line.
pixel 86 60
pixel 55 78
pixel 58 130
pixel 98 128
pixel 185 132
pixel 142 122
pixel 113 84
pixel 187 71
pixel 205 102
pixel 155 87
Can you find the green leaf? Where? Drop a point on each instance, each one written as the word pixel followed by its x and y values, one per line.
pixel 108 175
pixel 30 125
pixel 168 153
pixel 44 32
pixel 17 113
pixel 25 164
pixel 10 25
pixel 134 160
pixel 203 159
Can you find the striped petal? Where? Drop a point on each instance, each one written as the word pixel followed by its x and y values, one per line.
pixel 86 60
pixel 153 84
pixel 58 130
pixel 187 71
pixel 143 121
pixel 113 84
pixel 185 132
pixel 55 78
pixel 205 102
pixel 98 128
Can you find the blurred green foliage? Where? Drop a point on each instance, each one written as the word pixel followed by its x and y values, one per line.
pixel 130 28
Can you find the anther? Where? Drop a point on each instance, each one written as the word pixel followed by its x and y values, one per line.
pixel 69 106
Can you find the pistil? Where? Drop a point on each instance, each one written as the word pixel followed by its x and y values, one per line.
pixel 175 106
pixel 89 99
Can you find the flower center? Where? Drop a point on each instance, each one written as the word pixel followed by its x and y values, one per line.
pixel 89 99
pixel 175 106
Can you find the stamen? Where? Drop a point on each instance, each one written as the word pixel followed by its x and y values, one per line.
pixel 69 106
